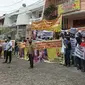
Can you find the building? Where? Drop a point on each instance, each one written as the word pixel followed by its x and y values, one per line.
pixel 20 19
pixel 73 12
pixel 26 16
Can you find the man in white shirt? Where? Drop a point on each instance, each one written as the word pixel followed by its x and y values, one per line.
pixel 4 48
pixel 9 50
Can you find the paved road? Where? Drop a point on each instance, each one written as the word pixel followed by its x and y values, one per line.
pixel 18 73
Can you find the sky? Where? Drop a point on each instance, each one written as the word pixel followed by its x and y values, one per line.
pixel 7 6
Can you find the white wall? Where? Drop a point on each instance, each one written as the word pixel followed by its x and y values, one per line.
pixel 7 21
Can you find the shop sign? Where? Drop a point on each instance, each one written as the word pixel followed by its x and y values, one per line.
pixel 72 5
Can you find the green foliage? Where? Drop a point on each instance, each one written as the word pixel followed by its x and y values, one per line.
pixel 48 11
pixel 4 30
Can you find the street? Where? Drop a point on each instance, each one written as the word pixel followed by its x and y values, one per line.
pixel 18 73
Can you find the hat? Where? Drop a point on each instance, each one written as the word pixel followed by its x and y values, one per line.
pixel 73 30
pixel 83 33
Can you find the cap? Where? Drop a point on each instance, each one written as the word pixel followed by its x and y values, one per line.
pixel 73 30
pixel 83 33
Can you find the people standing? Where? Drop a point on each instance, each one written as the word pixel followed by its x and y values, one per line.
pixel 9 50
pixel 73 44
pixel 67 51
pixel 78 53
pixel 31 53
pixel 16 49
pixel 0 50
pixel 83 45
pixel 4 48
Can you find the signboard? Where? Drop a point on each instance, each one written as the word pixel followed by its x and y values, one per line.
pixel 72 5
pixel 50 50
pixel 80 52
pixel 48 44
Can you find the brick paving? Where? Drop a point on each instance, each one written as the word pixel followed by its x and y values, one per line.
pixel 18 73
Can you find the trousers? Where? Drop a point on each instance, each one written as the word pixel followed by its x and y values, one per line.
pixel 78 62
pixel 5 54
pixel 9 56
pixel 31 58
pixel 67 57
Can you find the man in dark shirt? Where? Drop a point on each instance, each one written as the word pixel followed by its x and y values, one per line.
pixel 68 51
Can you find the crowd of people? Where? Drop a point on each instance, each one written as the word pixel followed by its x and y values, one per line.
pixel 74 48
pixel 6 47
pixel 8 50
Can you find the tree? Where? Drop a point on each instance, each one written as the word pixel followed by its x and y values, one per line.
pixel 49 12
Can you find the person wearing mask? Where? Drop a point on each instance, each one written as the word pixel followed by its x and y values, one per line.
pixel 0 49
pixel 9 50
pixel 78 53
pixel 83 45
pixel 73 44
pixel 31 53
pixel 4 48
pixel 67 51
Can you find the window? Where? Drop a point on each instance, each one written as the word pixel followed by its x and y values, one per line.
pixel 79 23
pixel 40 14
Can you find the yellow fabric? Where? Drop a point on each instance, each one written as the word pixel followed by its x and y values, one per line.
pixel 25 53
pixel 51 54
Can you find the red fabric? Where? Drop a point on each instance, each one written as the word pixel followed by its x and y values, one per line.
pixel 83 44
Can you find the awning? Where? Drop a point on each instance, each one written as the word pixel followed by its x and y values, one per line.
pixel 73 13
pixel 49 25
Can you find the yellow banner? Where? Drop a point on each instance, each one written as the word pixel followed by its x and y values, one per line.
pixel 49 25
pixel 69 6
pixel 51 54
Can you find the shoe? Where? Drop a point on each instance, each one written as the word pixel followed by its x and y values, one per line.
pixel 8 62
pixel 30 68
pixel 68 65
pixel 64 65
pixel 28 60
pixel 78 68
pixel 82 70
pixel 4 62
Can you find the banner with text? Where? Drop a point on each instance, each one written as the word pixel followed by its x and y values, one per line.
pixel 72 5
